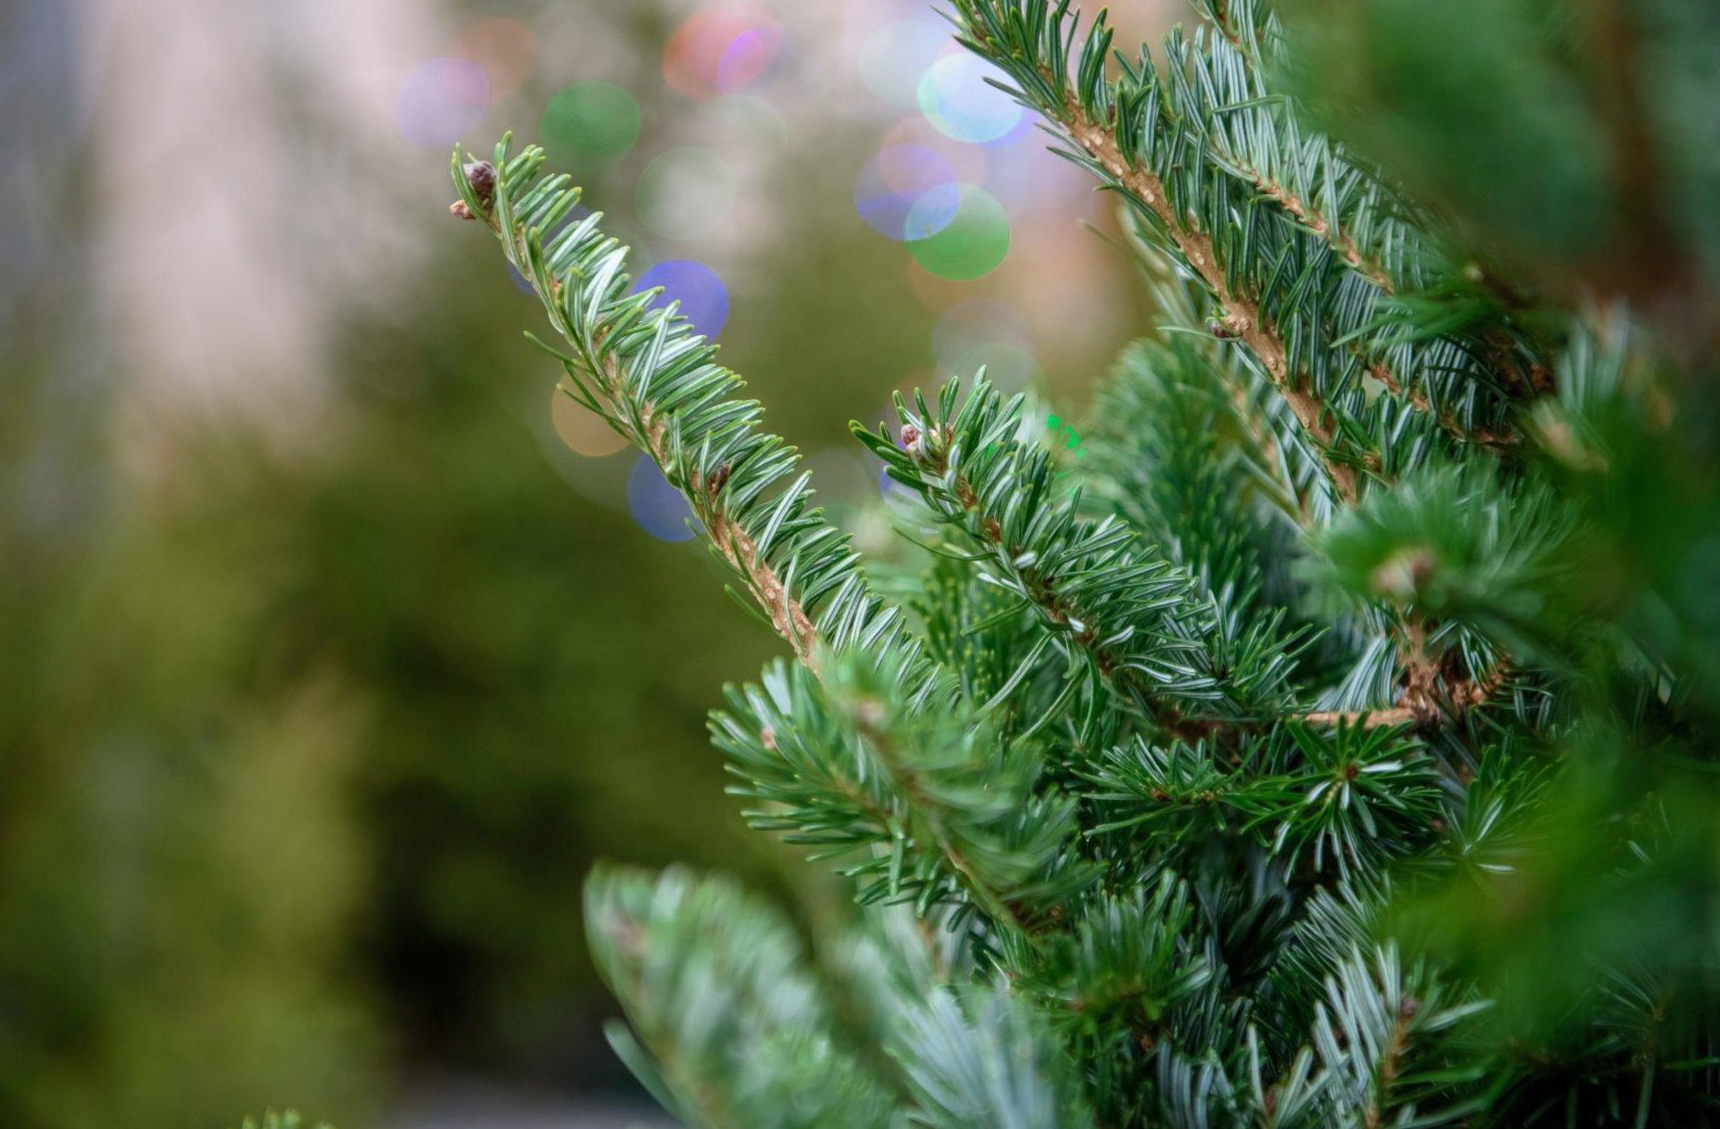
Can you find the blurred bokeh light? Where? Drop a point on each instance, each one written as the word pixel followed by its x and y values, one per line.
pixel 443 100
pixel 963 246
pixel 897 57
pixel 504 47
pixel 589 122
pixel 687 193
pixel 722 48
pixel 693 288
pixel 900 180
pixel 583 430
pixel 657 506
pixel 957 96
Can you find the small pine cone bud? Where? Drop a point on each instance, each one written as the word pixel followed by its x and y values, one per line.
pixel 1218 329
pixel 911 440
pixel 481 176
pixel 1408 1007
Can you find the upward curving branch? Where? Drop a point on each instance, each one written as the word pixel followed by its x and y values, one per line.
pixel 654 380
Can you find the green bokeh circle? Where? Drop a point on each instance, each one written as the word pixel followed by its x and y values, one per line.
pixel 591 122
pixel 971 244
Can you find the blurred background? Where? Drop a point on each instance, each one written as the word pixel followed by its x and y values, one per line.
pixel 334 646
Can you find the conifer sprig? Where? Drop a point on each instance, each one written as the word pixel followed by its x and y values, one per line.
pixel 1119 611
pixel 646 372
pixel 719 994
pixel 940 806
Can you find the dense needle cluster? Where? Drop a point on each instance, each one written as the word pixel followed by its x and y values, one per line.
pixel 1329 747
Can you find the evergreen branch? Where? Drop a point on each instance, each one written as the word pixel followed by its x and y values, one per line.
pixel 1100 591
pixel 1504 437
pixel 1351 786
pixel 1309 216
pixel 1137 956
pixel 1178 793
pixel 1165 448
pixel 1260 135
pixel 1280 461
pixel 1437 689
pixel 987 1059
pixel 1153 446
pixel 1148 679
pixel 1456 545
pixel 1123 976
pixel 1242 317
pixel 656 382
pixel 715 985
pixel 1157 451
pixel 1302 172
pixel 1031 43
pixel 1338 792
pixel 940 800
pixel 1383 1036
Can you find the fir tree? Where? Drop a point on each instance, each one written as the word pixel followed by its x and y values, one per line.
pixel 1330 746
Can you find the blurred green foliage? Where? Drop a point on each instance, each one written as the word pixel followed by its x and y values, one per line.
pixel 306 750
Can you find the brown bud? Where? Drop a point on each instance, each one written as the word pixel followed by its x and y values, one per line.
pixel 718 479
pixel 481 177
pixel 1218 329
pixel 459 210
pixel 1408 1008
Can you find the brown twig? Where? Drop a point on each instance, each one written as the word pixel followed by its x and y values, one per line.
pixel 1431 696
pixel 787 617
pixel 1061 612
pixel 1242 316
pixel 1340 241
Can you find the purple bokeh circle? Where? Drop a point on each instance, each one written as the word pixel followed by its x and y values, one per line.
pixel 657 506
pixel 703 297
pixel 442 101
pixel 899 178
